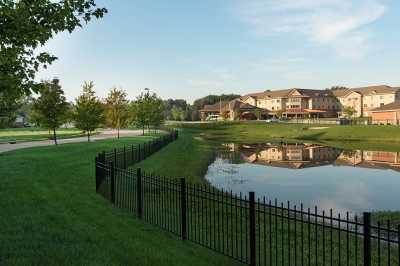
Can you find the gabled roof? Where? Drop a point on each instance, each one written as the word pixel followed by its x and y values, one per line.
pixel 388 107
pixel 378 89
pixel 313 93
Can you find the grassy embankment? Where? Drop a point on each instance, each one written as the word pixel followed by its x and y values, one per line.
pixel 51 215
pixel 195 148
pixel 35 134
pixel 348 137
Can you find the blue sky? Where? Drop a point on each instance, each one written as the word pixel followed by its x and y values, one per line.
pixel 188 49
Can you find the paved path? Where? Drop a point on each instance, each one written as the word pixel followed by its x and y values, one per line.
pixel 103 134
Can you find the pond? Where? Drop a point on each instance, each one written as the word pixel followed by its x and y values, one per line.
pixel 315 175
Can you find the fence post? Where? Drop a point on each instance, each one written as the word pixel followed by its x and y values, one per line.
pixel 115 157
pixel 132 156
pixel 139 193
pixel 112 186
pixel 96 161
pixel 183 209
pixel 367 239
pixel 252 231
pixel 124 157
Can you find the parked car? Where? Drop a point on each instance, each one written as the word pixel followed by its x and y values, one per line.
pixel 214 118
pixel 272 120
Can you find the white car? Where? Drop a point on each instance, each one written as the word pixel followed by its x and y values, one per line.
pixel 272 120
pixel 214 118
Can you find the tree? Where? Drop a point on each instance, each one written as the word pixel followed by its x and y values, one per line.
pixel 148 110
pixel 51 108
pixel 117 109
pixel 156 108
pixel 349 111
pixel 10 102
pixel 177 114
pixel 26 25
pixel 88 111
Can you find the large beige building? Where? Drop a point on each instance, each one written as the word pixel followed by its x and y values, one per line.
pixel 365 99
pixel 305 103
pixel 295 102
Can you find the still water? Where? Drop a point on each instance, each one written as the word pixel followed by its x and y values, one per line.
pixel 311 174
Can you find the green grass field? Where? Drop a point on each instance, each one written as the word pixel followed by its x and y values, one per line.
pixel 384 137
pixel 35 134
pixel 51 215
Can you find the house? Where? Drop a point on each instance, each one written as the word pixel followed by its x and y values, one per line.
pixel 365 99
pixel 388 114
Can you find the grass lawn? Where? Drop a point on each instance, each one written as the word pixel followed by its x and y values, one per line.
pixel 34 134
pixel 189 156
pixel 51 215
pixel 384 137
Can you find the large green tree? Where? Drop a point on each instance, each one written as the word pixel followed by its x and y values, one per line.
pixel 51 107
pixel 26 25
pixel 148 110
pixel 88 111
pixel 117 109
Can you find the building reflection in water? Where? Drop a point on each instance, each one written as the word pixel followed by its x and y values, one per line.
pixel 303 155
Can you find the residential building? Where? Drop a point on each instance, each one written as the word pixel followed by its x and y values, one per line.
pixel 388 114
pixel 232 110
pixel 299 103
pixel 306 103
pixel 365 99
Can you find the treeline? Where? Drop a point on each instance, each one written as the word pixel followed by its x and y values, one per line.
pixel 88 112
pixel 180 110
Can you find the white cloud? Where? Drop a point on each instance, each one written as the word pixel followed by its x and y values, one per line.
pixel 340 24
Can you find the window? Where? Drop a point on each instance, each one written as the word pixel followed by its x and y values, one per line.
pixel 381 97
pixel 365 105
pixel 278 101
pixel 273 108
pixel 382 104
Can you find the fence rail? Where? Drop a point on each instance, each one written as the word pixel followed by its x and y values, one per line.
pixel 254 231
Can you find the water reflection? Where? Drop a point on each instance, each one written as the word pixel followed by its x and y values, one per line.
pixel 329 177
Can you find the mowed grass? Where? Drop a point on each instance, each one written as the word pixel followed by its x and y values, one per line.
pixel 254 132
pixel 34 134
pixel 51 215
pixel 187 157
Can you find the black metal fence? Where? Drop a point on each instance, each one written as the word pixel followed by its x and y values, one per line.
pixel 251 230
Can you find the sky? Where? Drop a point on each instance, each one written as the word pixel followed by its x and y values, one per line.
pixel 188 49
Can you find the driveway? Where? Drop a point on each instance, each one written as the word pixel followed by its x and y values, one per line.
pixel 103 134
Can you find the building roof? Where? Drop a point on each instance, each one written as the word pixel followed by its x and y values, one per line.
pixel 227 106
pixel 286 93
pixel 388 107
pixel 369 90
pixel 379 89
pixel 223 105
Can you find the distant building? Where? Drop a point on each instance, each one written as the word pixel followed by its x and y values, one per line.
pixel 365 99
pixel 387 114
pixel 305 103
pixel 295 103
pixel 232 110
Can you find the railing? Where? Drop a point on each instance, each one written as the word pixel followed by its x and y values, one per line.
pixel 251 230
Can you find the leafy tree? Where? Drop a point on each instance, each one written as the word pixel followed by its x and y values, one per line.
pixel 89 111
pixel 257 113
pixel 349 111
pixel 26 25
pixel 117 109
pixel 156 108
pixel 10 102
pixel 51 108
pixel 148 110
pixel 177 114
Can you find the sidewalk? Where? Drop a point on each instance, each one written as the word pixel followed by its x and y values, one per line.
pixel 103 134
